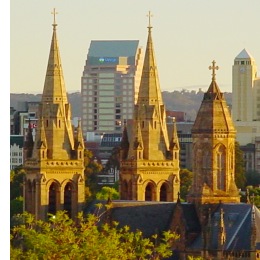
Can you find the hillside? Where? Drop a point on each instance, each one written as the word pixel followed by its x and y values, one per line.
pixel 186 101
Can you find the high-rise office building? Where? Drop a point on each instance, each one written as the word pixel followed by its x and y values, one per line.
pixel 246 98
pixel 246 108
pixel 109 85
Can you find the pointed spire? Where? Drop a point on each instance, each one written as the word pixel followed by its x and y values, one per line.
pixel 54 86
pixel 29 141
pixel 79 136
pixel 221 232
pixel 174 143
pixel 138 143
pixel 149 92
pixel 124 143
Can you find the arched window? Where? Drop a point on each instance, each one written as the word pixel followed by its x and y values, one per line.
pixel 124 190
pixel 221 167
pixel 163 192
pixel 149 192
pixel 68 199
pixel 52 199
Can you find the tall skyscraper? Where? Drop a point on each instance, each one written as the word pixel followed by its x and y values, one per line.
pixel 149 166
pixel 109 85
pixel 54 162
pixel 246 98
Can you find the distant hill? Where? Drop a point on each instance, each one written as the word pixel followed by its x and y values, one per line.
pixel 186 101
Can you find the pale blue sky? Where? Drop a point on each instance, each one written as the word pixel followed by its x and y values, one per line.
pixel 187 35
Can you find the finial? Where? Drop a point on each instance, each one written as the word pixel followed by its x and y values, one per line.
pixel 179 197
pixel 213 68
pixel 54 18
pixel 149 20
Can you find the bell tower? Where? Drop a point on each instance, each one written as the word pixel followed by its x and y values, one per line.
pixel 213 135
pixel 149 167
pixel 54 168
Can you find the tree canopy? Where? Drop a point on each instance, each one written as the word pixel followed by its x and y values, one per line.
pixel 86 238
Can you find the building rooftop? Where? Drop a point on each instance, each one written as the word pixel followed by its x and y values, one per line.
pixel 244 54
pixel 113 48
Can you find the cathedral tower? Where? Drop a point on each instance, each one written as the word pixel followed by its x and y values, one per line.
pixel 149 154
pixel 213 136
pixel 54 168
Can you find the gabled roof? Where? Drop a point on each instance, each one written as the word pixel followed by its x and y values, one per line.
pixel 237 222
pixel 150 217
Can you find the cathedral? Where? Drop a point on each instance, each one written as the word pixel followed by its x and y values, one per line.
pixel 212 224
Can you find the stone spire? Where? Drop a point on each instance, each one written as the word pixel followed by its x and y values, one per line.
pixel 54 109
pixel 213 136
pixel 54 86
pixel 149 169
pixel 150 109
pixel 221 233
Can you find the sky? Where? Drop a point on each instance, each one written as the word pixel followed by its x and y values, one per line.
pixel 187 34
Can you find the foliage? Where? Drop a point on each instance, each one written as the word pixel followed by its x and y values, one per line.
pixel 107 193
pixel 240 178
pixel 254 195
pixel 252 178
pixel 86 238
pixel 114 159
pixel 92 168
pixel 185 182
pixel 16 191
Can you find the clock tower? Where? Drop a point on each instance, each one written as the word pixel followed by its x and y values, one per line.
pixel 244 74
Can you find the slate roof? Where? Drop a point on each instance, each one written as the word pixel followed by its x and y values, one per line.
pixel 237 221
pixel 150 217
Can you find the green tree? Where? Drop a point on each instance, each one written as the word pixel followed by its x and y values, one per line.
pixel 62 238
pixel 106 193
pixel 185 182
pixel 92 168
pixel 252 178
pixel 16 191
pixel 240 178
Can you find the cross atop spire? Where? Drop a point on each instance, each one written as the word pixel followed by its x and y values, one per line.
pixel 213 68
pixel 149 20
pixel 54 17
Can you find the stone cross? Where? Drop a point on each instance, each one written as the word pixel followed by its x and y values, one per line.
pixel 149 19
pixel 213 68
pixel 54 16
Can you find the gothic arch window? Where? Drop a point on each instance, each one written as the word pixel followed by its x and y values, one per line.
pixel 53 192
pixel 149 192
pixel 163 192
pixel 124 190
pixel 130 191
pixel 221 167
pixel 68 199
